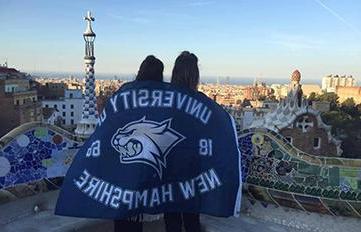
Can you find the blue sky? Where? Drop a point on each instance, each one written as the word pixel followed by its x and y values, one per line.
pixel 241 38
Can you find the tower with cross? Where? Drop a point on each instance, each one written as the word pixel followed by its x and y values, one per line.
pixel 87 124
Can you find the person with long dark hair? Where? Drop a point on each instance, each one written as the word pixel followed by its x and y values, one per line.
pixel 186 74
pixel 185 71
pixel 151 69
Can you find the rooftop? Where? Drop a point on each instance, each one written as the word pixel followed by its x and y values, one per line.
pixel 8 70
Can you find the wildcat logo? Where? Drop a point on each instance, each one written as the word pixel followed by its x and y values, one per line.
pixel 147 142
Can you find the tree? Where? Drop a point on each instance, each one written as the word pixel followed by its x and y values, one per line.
pixel 348 129
pixel 313 97
pixel 337 120
pixel 349 107
pixel 332 98
pixel 359 108
pixel 349 102
pixel 346 123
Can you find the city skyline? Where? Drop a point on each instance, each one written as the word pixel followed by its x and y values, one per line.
pixel 237 39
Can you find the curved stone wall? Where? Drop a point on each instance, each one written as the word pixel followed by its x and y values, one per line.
pixel 276 172
pixel 273 170
pixel 33 152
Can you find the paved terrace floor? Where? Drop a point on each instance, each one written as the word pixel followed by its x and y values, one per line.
pixel 45 221
pixel 19 216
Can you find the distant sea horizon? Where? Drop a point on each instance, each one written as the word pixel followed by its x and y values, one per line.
pixel 204 79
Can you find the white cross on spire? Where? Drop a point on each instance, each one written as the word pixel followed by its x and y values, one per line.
pixel 89 16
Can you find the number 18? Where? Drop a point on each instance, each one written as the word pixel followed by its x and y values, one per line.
pixel 205 147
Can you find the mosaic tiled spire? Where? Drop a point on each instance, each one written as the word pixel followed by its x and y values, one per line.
pixel 87 124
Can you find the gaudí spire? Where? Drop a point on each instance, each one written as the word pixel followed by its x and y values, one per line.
pixel 86 125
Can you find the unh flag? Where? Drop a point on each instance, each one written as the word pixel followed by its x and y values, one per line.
pixel 157 148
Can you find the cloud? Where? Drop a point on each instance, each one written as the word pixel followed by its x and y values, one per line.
pixel 140 20
pixel 295 43
pixel 339 17
pixel 200 3
pixel 134 19
pixel 154 16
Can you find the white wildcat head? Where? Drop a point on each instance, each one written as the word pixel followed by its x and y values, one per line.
pixel 146 142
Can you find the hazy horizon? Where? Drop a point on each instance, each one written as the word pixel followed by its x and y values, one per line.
pixel 204 79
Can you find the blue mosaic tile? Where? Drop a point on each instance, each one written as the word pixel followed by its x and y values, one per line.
pixel 27 153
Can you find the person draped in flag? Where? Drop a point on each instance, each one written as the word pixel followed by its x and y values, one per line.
pixel 185 74
pixel 151 69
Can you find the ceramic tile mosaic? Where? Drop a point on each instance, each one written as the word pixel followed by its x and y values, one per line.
pixel 272 169
pixel 35 154
pixel 276 172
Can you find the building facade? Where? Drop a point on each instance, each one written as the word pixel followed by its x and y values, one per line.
pixel 69 108
pixel 307 89
pixel 331 82
pixel 257 91
pixel 349 92
pixel 18 102
pixel 52 90
pixel 281 91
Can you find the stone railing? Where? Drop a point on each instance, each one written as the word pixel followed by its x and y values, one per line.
pixel 276 172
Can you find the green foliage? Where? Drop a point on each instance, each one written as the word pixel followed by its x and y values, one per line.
pixel 345 120
pixel 349 102
pixel 313 96
pixel 349 107
pixel 337 119
pixel 332 98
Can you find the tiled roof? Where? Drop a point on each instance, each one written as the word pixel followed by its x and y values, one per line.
pixel 8 70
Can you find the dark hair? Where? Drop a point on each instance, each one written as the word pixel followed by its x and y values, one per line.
pixel 151 69
pixel 185 71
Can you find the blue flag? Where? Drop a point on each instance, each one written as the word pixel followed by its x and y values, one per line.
pixel 157 148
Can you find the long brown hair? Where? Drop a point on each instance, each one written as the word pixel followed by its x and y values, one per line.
pixel 185 71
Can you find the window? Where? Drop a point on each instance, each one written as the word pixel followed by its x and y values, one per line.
pixel 316 143
pixel 17 102
pixel 63 121
pixel 72 114
pixel 55 106
pixel 289 139
pixel 63 106
pixel 72 121
pixel 64 114
pixel 71 106
pixel 71 95
pixel 304 123
pixel 46 106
